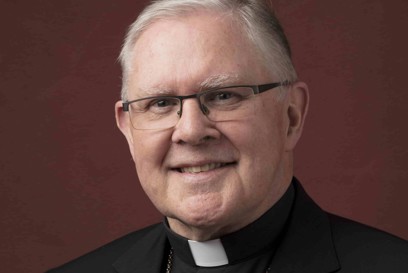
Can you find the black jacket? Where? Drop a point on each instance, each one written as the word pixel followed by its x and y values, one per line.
pixel 315 241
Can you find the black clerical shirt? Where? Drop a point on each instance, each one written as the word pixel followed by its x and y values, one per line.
pixel 250 249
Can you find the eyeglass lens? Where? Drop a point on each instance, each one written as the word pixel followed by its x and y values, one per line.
pixel 227 104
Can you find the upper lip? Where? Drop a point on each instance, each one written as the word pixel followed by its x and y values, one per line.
pixel 199 163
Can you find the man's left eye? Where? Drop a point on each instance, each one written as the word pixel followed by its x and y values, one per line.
pixel 223 96
pixel 162 103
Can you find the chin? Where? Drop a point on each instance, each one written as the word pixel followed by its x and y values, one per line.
pixel 207 218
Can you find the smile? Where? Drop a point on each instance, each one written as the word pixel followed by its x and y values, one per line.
pixel 203 168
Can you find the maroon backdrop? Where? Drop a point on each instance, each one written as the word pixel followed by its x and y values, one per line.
pixel 67 179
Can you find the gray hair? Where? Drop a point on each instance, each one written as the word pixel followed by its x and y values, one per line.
pixel 256 17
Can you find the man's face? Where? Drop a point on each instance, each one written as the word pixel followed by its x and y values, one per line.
pixel 244 165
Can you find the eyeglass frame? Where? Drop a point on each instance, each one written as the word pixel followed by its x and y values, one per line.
pixel 257 89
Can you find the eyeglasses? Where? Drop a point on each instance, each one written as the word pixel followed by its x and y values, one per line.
pixel 220 104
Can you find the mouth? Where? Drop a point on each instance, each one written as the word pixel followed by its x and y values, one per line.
pixel 202 168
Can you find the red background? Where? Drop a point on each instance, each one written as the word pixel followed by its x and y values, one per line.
pixel 67 180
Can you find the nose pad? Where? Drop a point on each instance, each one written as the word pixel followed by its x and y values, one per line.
pixel 205 109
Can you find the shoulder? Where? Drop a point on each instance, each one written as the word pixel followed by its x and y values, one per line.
pixel 101 259
pixel 367 248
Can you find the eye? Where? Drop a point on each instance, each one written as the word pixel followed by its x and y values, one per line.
pixel 162 105
pixel 223 97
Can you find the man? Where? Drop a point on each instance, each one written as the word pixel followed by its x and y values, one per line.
pixel 212 111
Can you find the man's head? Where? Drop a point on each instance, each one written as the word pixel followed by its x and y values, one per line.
pixel 255 18
pixel 211 177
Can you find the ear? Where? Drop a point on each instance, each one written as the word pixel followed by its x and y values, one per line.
pixel 298 103
pixel 124 125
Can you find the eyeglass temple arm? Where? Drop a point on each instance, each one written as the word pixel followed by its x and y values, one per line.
pixel 265 87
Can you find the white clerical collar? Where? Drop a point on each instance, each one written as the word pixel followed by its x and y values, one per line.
pixel 209 253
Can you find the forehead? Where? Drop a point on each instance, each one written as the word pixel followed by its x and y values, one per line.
pixel 191 51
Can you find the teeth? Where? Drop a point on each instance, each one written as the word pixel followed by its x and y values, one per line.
pixel 203 168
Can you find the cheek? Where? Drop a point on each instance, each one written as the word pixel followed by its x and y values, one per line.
pixel 260 142
pixel 257 137
pixel 271 128
pixel 150 149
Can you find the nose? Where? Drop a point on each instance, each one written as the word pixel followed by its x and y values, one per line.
pixel 194 127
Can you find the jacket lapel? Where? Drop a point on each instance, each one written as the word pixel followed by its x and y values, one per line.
pixel 307 246
pixel 146 256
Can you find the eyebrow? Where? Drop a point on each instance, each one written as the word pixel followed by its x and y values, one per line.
pixel 156 91
pixel 211 82
pixel 218 81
